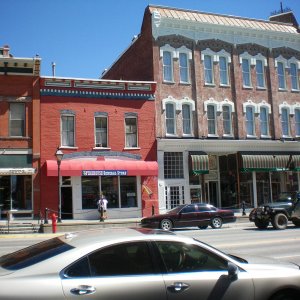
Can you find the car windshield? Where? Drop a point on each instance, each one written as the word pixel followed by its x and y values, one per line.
pixel 33 254
pixel 175 210
pixel 284 197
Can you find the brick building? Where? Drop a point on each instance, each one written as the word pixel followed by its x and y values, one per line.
pixel 106 130
pixel 227 103
pixel 19 134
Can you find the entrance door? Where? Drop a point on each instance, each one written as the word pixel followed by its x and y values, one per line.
pixel 66 202
pixel 174 196
pixel 212 192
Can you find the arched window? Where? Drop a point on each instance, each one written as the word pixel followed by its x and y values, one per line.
pixel 167 53
pixel 297 122
pixel 246 61
pixel 186 119
pixel 250 109
pixel 285 112
pixel 294 73
pixel 281 64
pixel 208 57
pixel 170 118
pixel 184 55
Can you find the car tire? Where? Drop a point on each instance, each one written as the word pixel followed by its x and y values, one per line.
pixel 296 223
pixel 280 221
pixel 166 225
pixel 203 227
pixel 286 295
pixel 260 224
pixel 216 223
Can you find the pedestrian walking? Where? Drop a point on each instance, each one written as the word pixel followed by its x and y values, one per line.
pixel 102 207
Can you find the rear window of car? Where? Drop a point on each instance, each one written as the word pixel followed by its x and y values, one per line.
pixel 34 254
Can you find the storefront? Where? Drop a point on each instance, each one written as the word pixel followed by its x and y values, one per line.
pixel 127 184
pixel 16 185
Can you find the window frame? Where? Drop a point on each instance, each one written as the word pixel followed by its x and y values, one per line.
pixel 226 71
pixel 260 74
pixel 170 50
pixel 229 120
pixel 184 69
pixel 208 71
pixel 189 120
pixel 67 114
pixel 285 111
pixel 294 77
pixel 170 119
pixel 12 119
pixel 246 72
pixel 297 121
pixel 264 122
pixel 100 116
pixel 131 133
pixel 213 120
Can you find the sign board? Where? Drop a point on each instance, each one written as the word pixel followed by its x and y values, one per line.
pixel 104 173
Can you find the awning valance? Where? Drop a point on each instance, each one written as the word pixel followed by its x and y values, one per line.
pixel 109 167
pixel 284 162
pixel 200 164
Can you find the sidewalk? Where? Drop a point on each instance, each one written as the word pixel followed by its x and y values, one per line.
pixel 76 225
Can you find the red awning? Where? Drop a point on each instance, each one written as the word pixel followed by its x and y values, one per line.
pixel 103 167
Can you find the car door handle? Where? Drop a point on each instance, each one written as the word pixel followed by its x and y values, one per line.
pixel 178 287
pixel 83 290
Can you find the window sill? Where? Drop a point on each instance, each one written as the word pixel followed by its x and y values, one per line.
pixel 24 138
pixel 228 136
pixel 265 137
pixel 168 82
pixel 251 137
pixel 187 135
pixel 212 136
pixel 132 148
pixel 261 88
pixel 68 147
pixel 247 87
pixel 209 84
pixel 282 90
pixel 295 91
pixel 101 148
pixel 225 85
pixel 184 83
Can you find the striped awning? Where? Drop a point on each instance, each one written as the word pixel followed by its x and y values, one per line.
pixel 270 162
pixel 199 164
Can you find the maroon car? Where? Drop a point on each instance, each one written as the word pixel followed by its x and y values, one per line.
pixel 190 215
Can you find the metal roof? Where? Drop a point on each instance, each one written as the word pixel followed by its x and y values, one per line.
pixel 225 20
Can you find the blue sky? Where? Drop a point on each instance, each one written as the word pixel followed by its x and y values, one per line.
pixel 83 37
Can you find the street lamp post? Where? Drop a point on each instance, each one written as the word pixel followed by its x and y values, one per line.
pixel 59 156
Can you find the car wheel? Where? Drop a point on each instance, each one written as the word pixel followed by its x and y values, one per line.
pixel 296 223
pixel 261 224
pixel 203 227
pixel 166 224
pixel 286 295
pixel 280 221
pixel 216 223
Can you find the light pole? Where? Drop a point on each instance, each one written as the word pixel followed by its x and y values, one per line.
pixel 59 156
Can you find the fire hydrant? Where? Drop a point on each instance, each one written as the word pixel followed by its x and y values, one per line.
pixel 54 222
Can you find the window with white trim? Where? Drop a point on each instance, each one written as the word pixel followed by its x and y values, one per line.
pixel 101 130
pixel 211 119
pixel 227 124
pixel 183 68
pixel 297 122
pixel 285 121
pixel 186 119
pixel 170 118
pixel 67 129
pixel 246 72
pixel 294 76
pixel 281 75
pixel 208 69
pixel 17 119
pixel 167 66
pixel 250 120
pixel 131 130
pixel 260 74
pixel 223 66
pixel 264 121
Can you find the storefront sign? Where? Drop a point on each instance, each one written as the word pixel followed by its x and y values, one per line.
pixel 104 173
pixel 24 171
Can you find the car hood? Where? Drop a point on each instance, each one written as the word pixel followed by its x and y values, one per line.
pixel 263 263
pixel 278 204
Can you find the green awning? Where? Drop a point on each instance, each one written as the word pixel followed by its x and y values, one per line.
pixel 267 163
pixel 296 161
pixel 199 164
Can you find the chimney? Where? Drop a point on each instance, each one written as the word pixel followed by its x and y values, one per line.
pixel 53 69
pixel 5 51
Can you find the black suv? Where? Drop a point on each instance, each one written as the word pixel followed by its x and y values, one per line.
pixel 286 208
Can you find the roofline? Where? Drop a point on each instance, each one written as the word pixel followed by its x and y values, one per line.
pixel 120 55
pixel 97 79
pixel 220 15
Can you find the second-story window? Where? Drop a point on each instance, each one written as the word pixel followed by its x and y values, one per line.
pixel 246 72
pixel 223 71
pixel 167 66
pixel 170 118
pixel 264 121
pixel 186 119
pixel 17 119
pixel 68 130
pixel 294 77
pixel 226 113
pixel 131 140
pixel 260 76
pixel 208 69
pixel 250 124
pixel 297 122
pixel 285 122
pixel 183 68
pixel 101 130
pixel 281 75
pixel 211 119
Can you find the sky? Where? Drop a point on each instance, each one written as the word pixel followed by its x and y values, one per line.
pixel 85 37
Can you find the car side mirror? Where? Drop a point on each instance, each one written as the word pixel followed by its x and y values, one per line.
pixel 233 271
